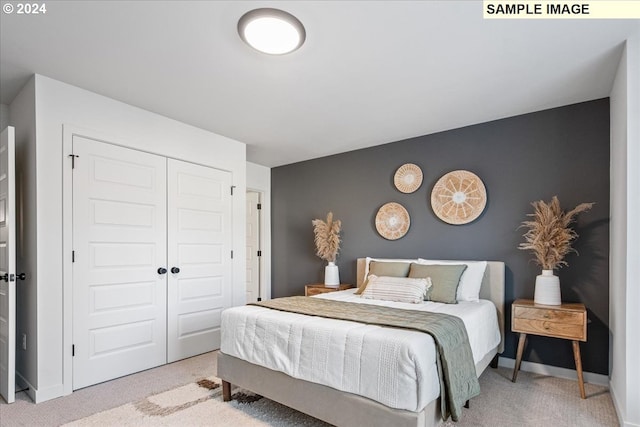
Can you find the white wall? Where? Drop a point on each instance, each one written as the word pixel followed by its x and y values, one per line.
pixel 259 179
pixel 4 116
pixel 633 230
pixel 59 105
pixel 624 316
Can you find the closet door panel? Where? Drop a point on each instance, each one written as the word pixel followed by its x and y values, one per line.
pixel 119 241
pixel 8 245
pixel 199 244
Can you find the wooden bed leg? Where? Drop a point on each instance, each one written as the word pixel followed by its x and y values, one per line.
pixel 226 391
pixel 467 404
pixel 494 361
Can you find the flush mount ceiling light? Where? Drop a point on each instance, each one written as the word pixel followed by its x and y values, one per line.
pixel 271 31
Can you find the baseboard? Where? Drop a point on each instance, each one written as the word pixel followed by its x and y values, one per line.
pixel 36 395
pixel 23 385
pixel 554 371
pixel 616 404
pixel 612 392
pixel 42 395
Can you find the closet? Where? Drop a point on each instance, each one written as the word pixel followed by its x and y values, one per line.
pixel 151 259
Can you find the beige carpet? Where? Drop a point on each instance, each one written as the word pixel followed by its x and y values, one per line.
pixel 100 397
pixel 537 400
pixel 534 400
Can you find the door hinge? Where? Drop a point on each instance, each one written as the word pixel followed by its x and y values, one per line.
pixel 73 256
pixel 73 350
pixel 259 253
pixel 259 206
pixel 73 160
pixel 232 187
pixel 231 254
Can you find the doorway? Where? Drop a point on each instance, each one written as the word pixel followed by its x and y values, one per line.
pixel 254 252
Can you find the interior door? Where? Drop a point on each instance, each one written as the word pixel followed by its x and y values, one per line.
pixel 119 261
pixel 253 246
pixel 199 257
pixel 7 265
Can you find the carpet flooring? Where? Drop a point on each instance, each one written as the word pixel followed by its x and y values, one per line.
pixel 187 393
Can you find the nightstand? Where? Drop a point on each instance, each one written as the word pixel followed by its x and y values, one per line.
pixel 566 321
pixel 320 288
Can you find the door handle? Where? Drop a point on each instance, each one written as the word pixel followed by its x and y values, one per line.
pixel 21 276
pixel 175 270
pixel 5 277
pixel 162 270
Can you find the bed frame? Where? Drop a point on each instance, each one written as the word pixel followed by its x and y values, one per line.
pixel 346 409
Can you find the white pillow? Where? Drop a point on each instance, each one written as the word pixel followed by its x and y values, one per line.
pixel 368 260
pixel 471 280
pixel 402 289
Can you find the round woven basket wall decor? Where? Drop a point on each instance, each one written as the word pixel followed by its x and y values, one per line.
pixel 408 178
pixel 459 197
pixel 392 221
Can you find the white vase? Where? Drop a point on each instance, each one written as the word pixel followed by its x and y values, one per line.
pixel 331 275
pixel 547 290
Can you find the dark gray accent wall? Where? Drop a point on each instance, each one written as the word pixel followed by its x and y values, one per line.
pixel 563 151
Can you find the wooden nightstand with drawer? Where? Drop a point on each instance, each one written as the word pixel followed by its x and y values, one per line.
pixel 566 321
pixel 320 288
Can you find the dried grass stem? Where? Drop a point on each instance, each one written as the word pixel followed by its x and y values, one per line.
pixel 549 235
pixel 327 237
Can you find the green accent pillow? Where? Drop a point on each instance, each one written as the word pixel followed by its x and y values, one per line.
pixel 444 279
pixel 389 269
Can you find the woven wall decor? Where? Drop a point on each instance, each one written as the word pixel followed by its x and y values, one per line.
pixel 459 197
pixel 392 221
pixel 408 178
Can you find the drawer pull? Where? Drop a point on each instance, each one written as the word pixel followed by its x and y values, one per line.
pixel 547 316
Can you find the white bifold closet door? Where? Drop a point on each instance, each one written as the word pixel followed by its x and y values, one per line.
pixel 199 252
pixel 119 242
pixel 7 264
pixel 152 268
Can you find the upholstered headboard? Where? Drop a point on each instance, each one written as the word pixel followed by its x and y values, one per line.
pixel 492 288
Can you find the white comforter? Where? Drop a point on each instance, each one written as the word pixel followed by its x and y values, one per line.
pixel 392 366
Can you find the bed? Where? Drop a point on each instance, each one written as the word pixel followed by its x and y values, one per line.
pixel 260 360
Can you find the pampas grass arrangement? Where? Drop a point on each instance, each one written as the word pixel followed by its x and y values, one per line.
pixel 327 237
pixel 549 234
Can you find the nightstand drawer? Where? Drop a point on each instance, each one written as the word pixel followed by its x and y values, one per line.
pixel 549 315
pixel 549 328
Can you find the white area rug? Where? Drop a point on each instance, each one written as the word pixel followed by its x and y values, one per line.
pixel 200 404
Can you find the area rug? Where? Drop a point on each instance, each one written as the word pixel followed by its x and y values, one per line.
pixel 200 404
pixel 533 401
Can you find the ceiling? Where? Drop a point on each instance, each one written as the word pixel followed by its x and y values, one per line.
pixel 370 72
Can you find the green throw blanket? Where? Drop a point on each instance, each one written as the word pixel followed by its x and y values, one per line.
pixel 457 372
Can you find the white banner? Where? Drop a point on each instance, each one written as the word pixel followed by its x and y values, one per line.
pixel 589 9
